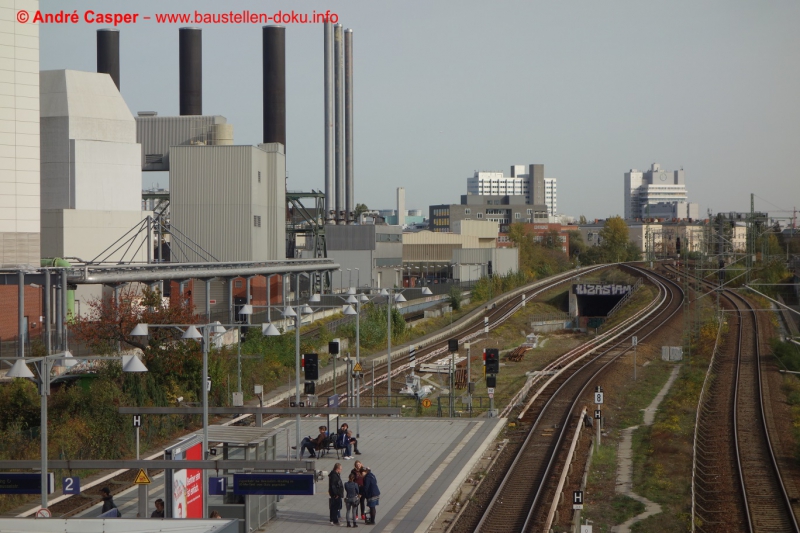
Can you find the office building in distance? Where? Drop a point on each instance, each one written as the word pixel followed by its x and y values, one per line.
pixel 657 193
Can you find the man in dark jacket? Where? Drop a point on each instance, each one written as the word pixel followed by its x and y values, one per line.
pixel 336 492
pixel 108 501
pixel 371 493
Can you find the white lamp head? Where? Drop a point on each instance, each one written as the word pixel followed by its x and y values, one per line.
pixel 426 291
pixel 218 327
pixel 269 330
pixel 315 298
pixel 288 311
pixel 399 298
pixel 192 333
pixel 246 310
pixel 131 363
pixel 384 292
pixel 68 361
pixel 351 290
pixel 348 310
pixel 140 330
pixel 307 310
pixel 363 298
pixel 351 299
pixel 19 370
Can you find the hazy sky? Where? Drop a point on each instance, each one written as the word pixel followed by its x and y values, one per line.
pixel 590 89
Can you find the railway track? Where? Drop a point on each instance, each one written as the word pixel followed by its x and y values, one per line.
pixel 522 502
pixel 737 482
pixel 497 313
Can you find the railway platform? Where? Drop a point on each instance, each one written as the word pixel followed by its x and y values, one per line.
pixel 418 462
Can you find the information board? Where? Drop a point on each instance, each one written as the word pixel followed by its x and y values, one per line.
pixel 279 484
pixel 17 483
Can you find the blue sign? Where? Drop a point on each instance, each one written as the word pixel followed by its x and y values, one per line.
pixel 279 484
pixel 72 485
pixel 217 486
pixel 16 483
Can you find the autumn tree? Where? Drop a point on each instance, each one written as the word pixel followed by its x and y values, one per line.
pixel 614 241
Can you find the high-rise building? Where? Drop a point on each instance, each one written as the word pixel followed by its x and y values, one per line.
pixel 531 185
pixel 19 137
pixel 550 196
pixel 651 187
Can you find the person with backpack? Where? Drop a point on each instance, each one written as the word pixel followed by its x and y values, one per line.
pixel 108 501
pixel 372 494
pixel 351 499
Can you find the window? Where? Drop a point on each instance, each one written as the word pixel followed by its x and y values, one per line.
pixel 237 284
pixel 530 211
pixel 467 211
pixel 257 221
pixel 517 215
pixel 480 215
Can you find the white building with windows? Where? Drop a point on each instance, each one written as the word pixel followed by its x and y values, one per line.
pixel 643 190
pixel 550 196
pixel 495 184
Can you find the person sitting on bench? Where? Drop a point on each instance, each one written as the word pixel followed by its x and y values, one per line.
pixel 313 444
pixel 346 441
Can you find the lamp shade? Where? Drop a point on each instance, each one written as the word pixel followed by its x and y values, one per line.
pixel 426 291
pixel 399 298
pixel 19 370
pixel 218 328
pixel 131 363
pixel 315 298
pixel 348 310
pixel 351 299
pixel 67 361
pixel 140 330
pixel 192 333
pixel 288 311
pixel 384 292
pixel 363 298
pixel 246 310
pixel 307 310
pixel 351 290
pixel 269 330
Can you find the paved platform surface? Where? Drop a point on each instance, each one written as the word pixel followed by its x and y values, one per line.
pixel 418 463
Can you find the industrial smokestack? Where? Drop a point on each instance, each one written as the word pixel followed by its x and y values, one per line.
pixel 338 75
pixel 349 206
pixel 274 57
pixel 330 190
pixel 108 53
pixel 190 55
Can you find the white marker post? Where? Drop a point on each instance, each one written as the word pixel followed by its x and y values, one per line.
pixel 635 341
pixel 598 399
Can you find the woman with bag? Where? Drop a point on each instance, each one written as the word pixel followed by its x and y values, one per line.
pixel 351 499
pixel 372 494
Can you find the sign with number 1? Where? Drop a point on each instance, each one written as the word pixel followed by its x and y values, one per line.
pixel 217 486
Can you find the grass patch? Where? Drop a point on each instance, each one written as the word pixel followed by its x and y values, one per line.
pixel 625 507
pixel 600 493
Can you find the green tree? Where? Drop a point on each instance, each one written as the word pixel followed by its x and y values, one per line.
pixel 614 237
pixel 360 208
pixel 582 220
pixel 576 244
pixel 455 296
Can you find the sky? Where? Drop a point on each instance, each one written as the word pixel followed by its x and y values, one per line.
pixel 590 89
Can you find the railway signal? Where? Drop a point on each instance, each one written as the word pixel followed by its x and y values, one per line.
pixel 577 499
pixel 311 366
pixel 492 361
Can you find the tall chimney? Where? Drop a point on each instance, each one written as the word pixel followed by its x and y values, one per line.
pixel 190 54
pixel 330 190
pixel 338 99
pixel 274 70
pixel 108 53
pixel 349 206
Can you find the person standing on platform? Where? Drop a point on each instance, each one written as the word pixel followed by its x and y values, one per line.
pixel 159 512
pixel 336 493
pixel 372 494
pixel 108 501
pixel 351 499
pixel 359 471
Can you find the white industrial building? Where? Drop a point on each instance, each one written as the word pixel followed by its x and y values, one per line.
pixel 494 183
pixel 19 137
pixel 90 170
pixel 646 189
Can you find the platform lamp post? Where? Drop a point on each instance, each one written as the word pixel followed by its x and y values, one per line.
pixel 130 363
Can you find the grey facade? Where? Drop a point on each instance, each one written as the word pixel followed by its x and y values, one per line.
pixel 376 251
pixel 536 185
pixel 157 134
pixel 473 263
pixel 230 201
pixel 505 210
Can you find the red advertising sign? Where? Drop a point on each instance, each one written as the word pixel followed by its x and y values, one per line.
pixel 187 487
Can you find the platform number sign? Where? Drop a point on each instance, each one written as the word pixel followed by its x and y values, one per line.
pixel 72 485
pixel 577 499
pixel 634 340
pixel 137 421
pixel 217 486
